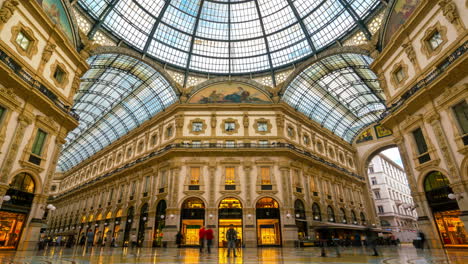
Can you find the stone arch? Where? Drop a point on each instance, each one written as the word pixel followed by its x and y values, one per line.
pixel 464 169
pixel 181 202
pixel 216 80
pixel 230 196
pixel 134 54
pixel 280 204
pixel 374 150
pixel 38 186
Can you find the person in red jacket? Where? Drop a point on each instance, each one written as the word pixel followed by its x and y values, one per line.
pixel 201 236
pixel 209 239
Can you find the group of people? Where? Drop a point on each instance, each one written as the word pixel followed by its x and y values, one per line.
pixel 207 234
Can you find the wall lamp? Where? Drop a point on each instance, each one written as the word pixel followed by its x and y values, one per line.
pixel 453 196
pixel 6 198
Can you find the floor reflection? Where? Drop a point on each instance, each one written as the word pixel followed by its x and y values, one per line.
pixel 391 255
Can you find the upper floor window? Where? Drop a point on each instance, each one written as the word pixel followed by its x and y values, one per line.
pixel 194 175
pixel 374 181
pixel 140 146
pixel 399 74
pixel 262 126
pixel 377 194
pixel 420 141
pixel 265 175
pixel 306 140
pixel 381 209
pixel 23 40
pixel 229 126
pixel 371 169
pixel 263 143
pixel 2 113
pixel 147 184
pixel 435 40
pixel 230 143
pixel 461 114
pixel 169 131
pixel 197 126
pixel 39 142
pixel 59 74
pixel 153 139
pixel 290 131
pixel 230 175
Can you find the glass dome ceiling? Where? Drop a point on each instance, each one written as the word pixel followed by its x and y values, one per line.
pixel 229 36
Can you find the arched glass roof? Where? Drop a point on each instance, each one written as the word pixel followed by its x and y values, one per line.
pixel 229 36
pixel 339 92
pixel 117 94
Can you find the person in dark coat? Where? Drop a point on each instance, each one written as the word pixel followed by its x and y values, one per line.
pixel 179 238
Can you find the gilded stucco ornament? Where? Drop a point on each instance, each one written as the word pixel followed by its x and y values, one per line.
pixel 88 46
pixel 7 10
pixel 411 54
pixel 449 9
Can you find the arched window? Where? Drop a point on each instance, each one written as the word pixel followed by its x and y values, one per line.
pixel 435 180
pixel 330 214
pixel 363 218
pixel 267 203
pixel 193 203
pixel 353 216
pixel 343 215
pixel 23 182
pixel 316 212
pixel 299 210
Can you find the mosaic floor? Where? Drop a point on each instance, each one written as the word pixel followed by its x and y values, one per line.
pixel 390 255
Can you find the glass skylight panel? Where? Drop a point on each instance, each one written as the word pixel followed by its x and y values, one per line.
pixel 331 93
pixel 250 64
pixel 211 48
pixel 229 21
pixel 204 64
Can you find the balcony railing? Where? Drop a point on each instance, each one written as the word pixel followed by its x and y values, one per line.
pixel 29 79
pixel 185 146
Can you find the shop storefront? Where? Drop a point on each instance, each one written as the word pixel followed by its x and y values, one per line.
pixel 192 219
pixel 14 212
pixel 446 212
pixel 301 221
pixel 268 222
pixel 229 213
pixel 128 226
pixel 160 223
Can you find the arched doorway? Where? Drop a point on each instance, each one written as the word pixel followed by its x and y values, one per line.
pixel 445 210
pixel 128 226
pixel 301 221
pixel 192 219
pixel 115 232
pixel 160 222
pixel 268 222
pixel 142 224
pixel 14 212
pixel 229 213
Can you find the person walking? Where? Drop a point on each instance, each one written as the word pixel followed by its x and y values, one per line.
pixel 179 238
pixel 231 236
pixel 209 239
pixel 90 238
pixel 201 237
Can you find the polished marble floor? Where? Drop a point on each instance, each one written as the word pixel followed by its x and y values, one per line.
pixel 388 255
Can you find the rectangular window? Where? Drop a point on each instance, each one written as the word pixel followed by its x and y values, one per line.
pixel 59 74
pixel 435 40
pixel 147 184
pixel 265 175
pixel 461 114
pixel 377 194
pixel 111 195
pixel 399 74
pixel 297 180
pixel 380 208
pixel 230 175
pixel 23 41
pixel 194 175
pixel 371 169
pixel 133 188
pixel 153 139
pixel 374 181
pixel 2 113
pixel 39 142
pixel 420 142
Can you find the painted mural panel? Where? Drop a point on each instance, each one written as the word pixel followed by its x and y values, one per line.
pixel 56 12
pixel 402 10
pixel 381 131
pixel 229 93
pixel 366 135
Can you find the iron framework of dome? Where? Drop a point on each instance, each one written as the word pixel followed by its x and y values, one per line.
pixel 229 36
pixel 117 94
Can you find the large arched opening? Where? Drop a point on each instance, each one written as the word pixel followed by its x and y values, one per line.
pixel 268 222
pixel 445 210
pixel 191 220
pixel 229 213
pixel 15 210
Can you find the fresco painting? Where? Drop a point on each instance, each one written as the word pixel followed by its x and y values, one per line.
pixel 366 135
pixel 401 12
pixel 56 12
pixel 229 93
pixel 381 131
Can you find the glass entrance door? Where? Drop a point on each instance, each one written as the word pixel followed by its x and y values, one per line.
pixel 11 225
pixel 451 228
pixel 268 232
pixel 190 228
pixel 224 225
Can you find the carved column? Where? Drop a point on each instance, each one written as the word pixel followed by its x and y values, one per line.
pixel 12 151
pixel 213 122
pixel 211 187
pixel 46 54
pixel 59 141
pixel 285 181
pixel 248 183
pixel 174 196
pixel 179 123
